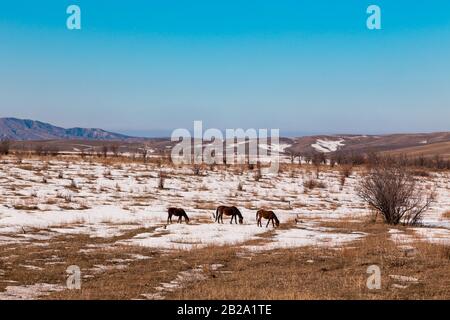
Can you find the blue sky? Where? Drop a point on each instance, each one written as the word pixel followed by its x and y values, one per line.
pixel 147 67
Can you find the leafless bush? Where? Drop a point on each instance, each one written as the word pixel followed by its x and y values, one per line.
pixel 5 146
pixel 53 151
pixel 345 172
pixel 144 153
pixel 196 170
pixel 391 190
pixel 39 150
pixel 105 149
pixel 162 180
pixel 115 149
pixel 312 184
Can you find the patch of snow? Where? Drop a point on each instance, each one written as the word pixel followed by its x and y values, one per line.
pixel 434 235
pixel 325 146
pixel 189 236
pixel 301 237
pixel 30 292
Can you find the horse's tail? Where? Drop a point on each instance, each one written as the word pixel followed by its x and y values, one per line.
pixel 257 212
pixel 215 215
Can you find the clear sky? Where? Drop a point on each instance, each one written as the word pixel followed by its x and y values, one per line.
pixel 301 66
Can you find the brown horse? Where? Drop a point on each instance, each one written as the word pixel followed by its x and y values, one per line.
pixel 228 211
pixel 178 212
pixel 269 215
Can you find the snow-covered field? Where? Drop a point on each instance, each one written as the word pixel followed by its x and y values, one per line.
pixel 41 200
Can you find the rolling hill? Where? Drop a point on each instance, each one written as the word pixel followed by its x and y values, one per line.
pixel 27 130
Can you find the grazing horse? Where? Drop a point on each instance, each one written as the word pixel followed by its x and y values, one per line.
pixel 269 215
pixel 228 211
pixel 178 212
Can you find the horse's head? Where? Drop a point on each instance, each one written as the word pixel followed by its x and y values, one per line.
pixel 239 214
pixel 184 214
pixel 277 222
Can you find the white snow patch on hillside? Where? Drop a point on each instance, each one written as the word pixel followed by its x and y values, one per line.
pixel 275 147
pixel 323 145
pixel 29 292
pixel 307 236
pixel 187 237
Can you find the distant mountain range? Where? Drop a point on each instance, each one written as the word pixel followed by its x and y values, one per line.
pixel 26 130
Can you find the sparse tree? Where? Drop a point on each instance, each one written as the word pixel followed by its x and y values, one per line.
pixel 196 170
pixel 39 150
pixel 115 149
pixel 53 151
pixel 391 190
pixel 162 180
pixel 5 145
pixel 105 151
pixel 144 152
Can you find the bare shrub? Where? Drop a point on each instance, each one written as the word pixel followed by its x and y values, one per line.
pixel 53 151
pixel 162 180
pixel 144 153
pixel 104 152
pixel 312 184
pixel 421 173
pixel 5 146
pixel 258 173
pixel 115 149
pixel 345 172
pixel 391 190
pixel 446 215
pixel 196 170
pixel 39 150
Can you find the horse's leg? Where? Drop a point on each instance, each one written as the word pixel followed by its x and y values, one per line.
pixel 169 218
pixel 232 217
pixel 273 222
pixel 267 225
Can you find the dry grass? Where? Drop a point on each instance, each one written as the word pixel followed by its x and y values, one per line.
pixel 300 273
pixel 311 273
pixel 446 215
pixel 312 184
